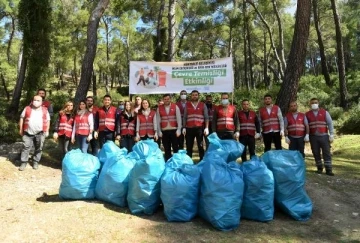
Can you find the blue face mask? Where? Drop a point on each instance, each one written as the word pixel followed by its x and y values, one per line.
pixel 121 107
pixel 225 101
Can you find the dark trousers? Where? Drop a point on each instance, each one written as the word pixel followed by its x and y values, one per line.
pixel 249 142
pixel 225 135
pixel 321 144
pixel 272 137
pixel 105 136
pixel 191 134
pixel 169 141
pixel 207 142
pixel 64 143
pixel 181 141
pixel 127 142
pixel 297 144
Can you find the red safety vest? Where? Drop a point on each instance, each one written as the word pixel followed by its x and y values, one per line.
pixel 168 118
pixel 195 116
pixel 146 125
pixel 181 108
pixel 82 126
pixel 46 103
pixel 211 112
pixel 247 124
pixel 28 110
pixel 296 127
pixel 270 122
pixel 94 109
pixel 126 127
pixel 225 118
pixel 107 119
pixel 65 125
pixel 317 123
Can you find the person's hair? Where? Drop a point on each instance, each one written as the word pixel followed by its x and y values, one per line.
pixel 78 106
pixel 195 91
pixel 121 102
pixel 314 99
pixel 224 94
pixel 244 100
pixel 293 101
pixel 90 97
pixel 207 96
pixel 267 95
pixel 64 108
pixel 131 107
pixel 41 89
pixel 182 91
pixel 107 96
pixel 141 106
pixel 165 95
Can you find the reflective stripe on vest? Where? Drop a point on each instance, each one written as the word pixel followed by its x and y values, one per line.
pixel 195 116
pixel 225 118
pixel 317 123
pixel 170 118
pixel 107 119
pixel 28 110
pixel 296 127
pixel 126 127
pixel 247 124
pixel 82 126
pixel 146 125
pixel 270 122
pixel 65 125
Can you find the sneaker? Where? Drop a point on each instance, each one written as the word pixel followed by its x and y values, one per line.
pixel 36 165
pixel 330 173
pixel 22 166
pixel 319 171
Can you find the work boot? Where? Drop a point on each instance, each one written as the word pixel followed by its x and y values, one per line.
pixel 22 166
pixel 36 165
pixel 329 173
pixel 319 170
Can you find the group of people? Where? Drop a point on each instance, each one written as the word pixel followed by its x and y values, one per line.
pixel 174 123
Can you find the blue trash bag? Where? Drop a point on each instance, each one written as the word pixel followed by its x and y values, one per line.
pixel 258 201
pixel 144 181
pixel 108 150
pixel 288 167
pixel 113 182
pixel 221 193
pixel 180 188
pixel 79 175
pixel 231 146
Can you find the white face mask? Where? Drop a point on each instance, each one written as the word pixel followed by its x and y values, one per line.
pixel 36 103
pixel 225 101
pixel 183 97
pixel 314 106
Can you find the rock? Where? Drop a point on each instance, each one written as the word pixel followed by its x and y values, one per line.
pixel 336 221
pixel 355 214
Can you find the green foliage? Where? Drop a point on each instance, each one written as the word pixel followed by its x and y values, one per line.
pixel 8 130
pixel 336 112
pixel 351 124
pixel 59 99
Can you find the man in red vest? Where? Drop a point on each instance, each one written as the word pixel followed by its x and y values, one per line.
pixel 249 128
pixel 42 92
pixel 211 110
pixel 225 120
pixel 272 124
pixel 93 109
pixel 181 104
pixel 320 125
pixel 105 125
pixel 296 129
pixel 196 124
pixel 169 125
pixel 34 128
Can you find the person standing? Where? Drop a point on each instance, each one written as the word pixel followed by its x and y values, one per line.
pixel 42 92
pixel 196 124
pixel 93 109
pixel 249 128
pixel 169 125
pixel 126 129
pixel 34 128
pixel 320 125
pixel 146 125
pixel 83 127
pixel 296 129
pixel 181 104
pixel 105 122
pixel 137 105
pixel 211 107
pixel 225 120
pixel 272 124
pixel 63 126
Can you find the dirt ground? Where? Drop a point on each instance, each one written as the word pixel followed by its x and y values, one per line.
pixel 32 212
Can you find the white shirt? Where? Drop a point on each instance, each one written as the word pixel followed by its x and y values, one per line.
pixel 35 120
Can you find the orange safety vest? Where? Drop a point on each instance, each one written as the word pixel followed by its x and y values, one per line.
pixel 28 110
pixel 126 127
pixel 247 124
pixel 65 125
pixel 225 119
pixel 168 118
pixel 146 125
pixel 296 127
pixel 82 126
pixel 270 122
pixel 107 119
pixel 317 123
pixel 195 116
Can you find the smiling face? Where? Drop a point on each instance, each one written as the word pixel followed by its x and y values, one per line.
pixel 107 101
pixel 145 104
pixel 82 105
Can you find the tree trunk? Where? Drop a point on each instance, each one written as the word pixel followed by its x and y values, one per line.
pixel 10 38
pixel 172 30
pixel 297 56
pixel 158 52
pixel 281 36
pixel 91 45
pixel 94 84
pixel 246 22
pixel 75 71
pixel 265 64
pixel 5 88
pixel 324 67
pixel 251 74
pixel 340 58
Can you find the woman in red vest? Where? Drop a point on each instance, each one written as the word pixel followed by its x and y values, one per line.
pixel 64 126
pixel 83 127
pixel 146 122
pixel 127 127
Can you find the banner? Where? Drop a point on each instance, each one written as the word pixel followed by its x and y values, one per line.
pixel 215 75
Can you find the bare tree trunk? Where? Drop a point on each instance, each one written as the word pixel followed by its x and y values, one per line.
pixel 324 67
pixel 10 37
pixel 246 22
pixel 158 52
pixel 281 35
pixel 340 60
pixel 251 74
pixel 5 88
pixel 172 30
pixel 297 56
pixel 75 71
pixel 94 84
pixel 265 63
pixel 91 45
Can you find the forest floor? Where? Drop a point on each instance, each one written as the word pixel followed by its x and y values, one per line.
pixel 31 210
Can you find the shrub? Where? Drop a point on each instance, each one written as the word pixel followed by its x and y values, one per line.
pixel 351 123
pixel 8 130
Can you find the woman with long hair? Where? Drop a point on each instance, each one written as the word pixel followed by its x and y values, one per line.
pixel 146 126
pixel 63 126
pixel 127 121
pixel 83 127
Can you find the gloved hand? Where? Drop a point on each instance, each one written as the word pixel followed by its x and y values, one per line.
pixel 331 138
pixel 287 140
pixel 282 133
pixel 137 138
pixel 55 136
pixel 257 135
pixel 306 138
pixel 46 134
pixel 156 137
pixel 96 135
pixel 118 137
pixel 178 132
pixel 206 131
pixel 184 131
pixel 160 134
pixel 236 135
pixel 89 137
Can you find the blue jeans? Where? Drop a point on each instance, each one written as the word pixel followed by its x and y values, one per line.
pixel 82 143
